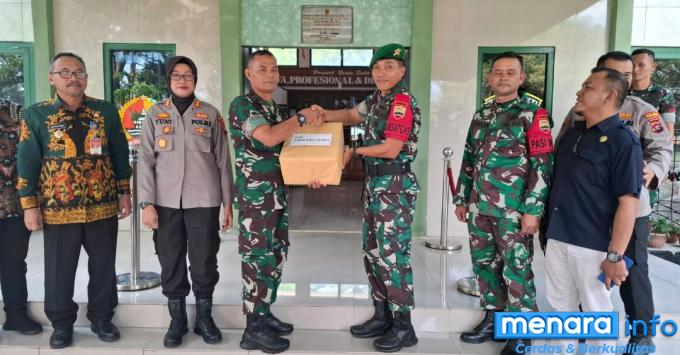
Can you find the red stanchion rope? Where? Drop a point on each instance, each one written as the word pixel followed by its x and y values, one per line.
pixel 452 183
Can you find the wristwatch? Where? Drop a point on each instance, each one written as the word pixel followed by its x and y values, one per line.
pixel 143 205
pixel 614 257
pixel 301 119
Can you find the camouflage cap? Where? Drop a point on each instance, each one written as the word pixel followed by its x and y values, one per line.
pixel 388 51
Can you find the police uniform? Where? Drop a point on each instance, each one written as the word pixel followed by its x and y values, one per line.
pixel 73 165
pixel 647 125
pixel 14 236
pixel 185 172
pixel 659 97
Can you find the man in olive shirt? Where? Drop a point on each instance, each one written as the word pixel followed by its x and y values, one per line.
pixel 74 175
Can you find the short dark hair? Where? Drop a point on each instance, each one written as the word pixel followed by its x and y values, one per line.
pixel 257 53
pixel 615 55
pixel 66 54
pixel 615 81
pixel 511 55
pixel 647 51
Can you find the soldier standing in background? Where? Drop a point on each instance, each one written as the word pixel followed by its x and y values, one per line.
pixel 502 191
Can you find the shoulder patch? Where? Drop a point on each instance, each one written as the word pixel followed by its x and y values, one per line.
pixel 400 119
pixel 533 98
pixel 539 137
pixel 654 119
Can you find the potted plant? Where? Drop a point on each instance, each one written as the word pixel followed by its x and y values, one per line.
pixel 661 228
pixel 674 234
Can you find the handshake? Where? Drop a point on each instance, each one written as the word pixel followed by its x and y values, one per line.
pixel 315 115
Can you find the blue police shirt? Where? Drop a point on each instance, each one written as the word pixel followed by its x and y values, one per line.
pixel 593 168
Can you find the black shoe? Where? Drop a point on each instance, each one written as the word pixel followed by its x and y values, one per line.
pixel 636 342
pixel 22 323
pixel 510 347
pixel 482 332
pixel 276 325
pixel 258 336
pixel 178 325
pixel 400 335
pixel 377 326
pixel 61 337
pixel 106 331
pixel 205 325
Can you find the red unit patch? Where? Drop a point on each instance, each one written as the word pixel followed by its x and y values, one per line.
pixel 400 120
pixel 539 137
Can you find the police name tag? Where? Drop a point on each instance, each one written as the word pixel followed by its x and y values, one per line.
pixel 311 139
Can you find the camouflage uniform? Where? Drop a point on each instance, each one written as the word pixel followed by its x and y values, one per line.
pixel 261 199
pixel 661 98
pixel 505 173
pixel 389 205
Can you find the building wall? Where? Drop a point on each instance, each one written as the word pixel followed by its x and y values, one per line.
pixel 193 25
pixel 277 22
pixel 655 23
pixel 16 24
pixel 577 29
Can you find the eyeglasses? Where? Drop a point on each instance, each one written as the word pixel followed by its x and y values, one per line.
pixel 178 77
pixel 67 74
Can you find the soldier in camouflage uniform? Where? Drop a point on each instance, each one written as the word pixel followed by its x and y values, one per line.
pixel 502 190
pixel 392 119
pixel 258 128
pixel 643 87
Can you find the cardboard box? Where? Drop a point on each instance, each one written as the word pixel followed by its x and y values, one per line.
pixel 313 153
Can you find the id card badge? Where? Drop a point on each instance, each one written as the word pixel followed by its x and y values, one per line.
pixel 96 146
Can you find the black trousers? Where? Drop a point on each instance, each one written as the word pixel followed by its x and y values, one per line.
pixel 62 250
pixel 195 230
pixel 14 238
pixel 636 291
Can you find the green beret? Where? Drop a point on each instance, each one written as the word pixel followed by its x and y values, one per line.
pixel 388 51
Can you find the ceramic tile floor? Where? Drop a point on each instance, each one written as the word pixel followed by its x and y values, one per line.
pixel 325 262
pixel 140 341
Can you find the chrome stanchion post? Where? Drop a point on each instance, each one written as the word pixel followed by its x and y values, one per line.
pixel 136 280
pixel 442 242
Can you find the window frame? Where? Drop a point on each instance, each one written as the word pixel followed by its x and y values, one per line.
pixel 549 75
pixel 109 47
pixel 661 52
pixel 26 50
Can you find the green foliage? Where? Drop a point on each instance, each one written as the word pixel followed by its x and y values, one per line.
pixel 675 228
pixel 138 73
pixel 662 226
pixel 668 75
pixel 12 78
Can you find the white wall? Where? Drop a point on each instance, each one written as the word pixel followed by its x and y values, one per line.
pixel 193 25
pixel 655 23
pixel 577 29
pixel 16 24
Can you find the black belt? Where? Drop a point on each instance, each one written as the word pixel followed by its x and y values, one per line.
pixel 387 169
